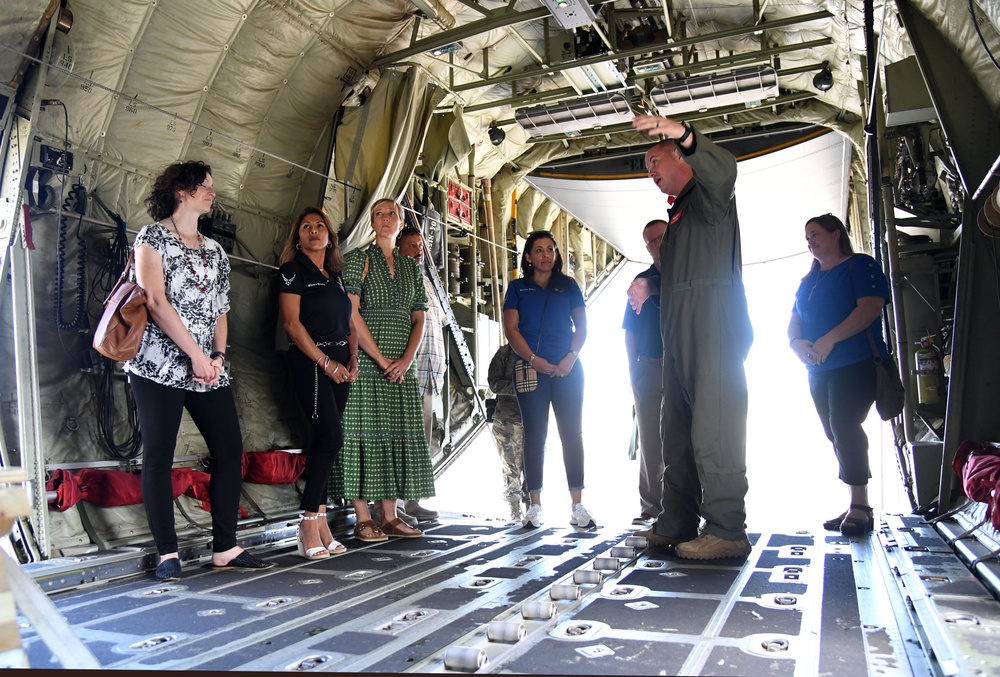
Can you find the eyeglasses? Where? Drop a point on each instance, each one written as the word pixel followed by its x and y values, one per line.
pixel 656 240
pixel 202 185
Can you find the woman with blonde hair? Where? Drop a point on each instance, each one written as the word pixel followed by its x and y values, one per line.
pixel 385 452
pixel 322 361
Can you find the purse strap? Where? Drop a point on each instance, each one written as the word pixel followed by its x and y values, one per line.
pixel 871 341
pixel 542 319
pixel 124 275
pixel 868 330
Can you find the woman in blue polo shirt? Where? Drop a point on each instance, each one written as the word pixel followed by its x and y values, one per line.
pixel 836 303
pixel 322 361
pixel 545 320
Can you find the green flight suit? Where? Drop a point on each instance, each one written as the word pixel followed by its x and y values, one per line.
pixel 706 337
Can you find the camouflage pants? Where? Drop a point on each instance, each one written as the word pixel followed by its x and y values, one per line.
pixel 509 438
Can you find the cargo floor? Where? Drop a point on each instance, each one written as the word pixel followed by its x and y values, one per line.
pixel 494 597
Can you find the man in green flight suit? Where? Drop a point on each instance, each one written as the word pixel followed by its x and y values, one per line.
pixel 706 335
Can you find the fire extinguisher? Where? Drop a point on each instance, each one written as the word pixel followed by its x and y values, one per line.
pixel 928 361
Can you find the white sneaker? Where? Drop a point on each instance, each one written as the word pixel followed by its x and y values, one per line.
pixel 581 517
pixel 533 518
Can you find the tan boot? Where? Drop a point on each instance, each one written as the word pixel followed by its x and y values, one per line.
pixel 708 546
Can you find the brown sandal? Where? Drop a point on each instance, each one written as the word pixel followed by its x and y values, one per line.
pixel 369 532
pixel 397 529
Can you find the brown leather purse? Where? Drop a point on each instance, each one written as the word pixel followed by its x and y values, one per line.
pixel 119 333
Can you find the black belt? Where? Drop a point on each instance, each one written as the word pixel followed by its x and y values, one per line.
pixel 646 358
pixel 323 344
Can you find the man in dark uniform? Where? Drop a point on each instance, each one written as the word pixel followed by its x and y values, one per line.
pixel 706 337
pixel 645 359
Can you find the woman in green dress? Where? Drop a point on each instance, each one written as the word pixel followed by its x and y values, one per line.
pixel 385 454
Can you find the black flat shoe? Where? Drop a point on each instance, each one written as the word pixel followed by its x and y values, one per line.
pixel 852 526
pixel 244 561
pixel 169 570
pixel 834 524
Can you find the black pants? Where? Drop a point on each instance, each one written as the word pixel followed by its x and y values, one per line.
pixel 843 398
pixel 323 402
pixel 214 413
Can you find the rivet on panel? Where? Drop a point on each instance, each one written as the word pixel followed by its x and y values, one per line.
pixel 775 645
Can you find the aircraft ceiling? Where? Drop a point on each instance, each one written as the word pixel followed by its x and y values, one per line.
pixel 254 86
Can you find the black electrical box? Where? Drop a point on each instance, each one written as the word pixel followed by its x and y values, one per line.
pixel 220 228
pixel 56 159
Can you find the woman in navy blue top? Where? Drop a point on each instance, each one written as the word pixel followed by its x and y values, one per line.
pixel 322 361
pixel 841 298
pixel 545 320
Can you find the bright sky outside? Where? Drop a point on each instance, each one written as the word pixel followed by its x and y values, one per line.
pixel 790 464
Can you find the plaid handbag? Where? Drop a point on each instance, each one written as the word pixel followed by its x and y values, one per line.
pixel 525 377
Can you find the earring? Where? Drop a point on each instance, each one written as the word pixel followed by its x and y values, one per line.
pixel 298 246
pixel 329 245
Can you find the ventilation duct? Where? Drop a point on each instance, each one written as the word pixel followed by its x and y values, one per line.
pixel 750 86
pixel 573 116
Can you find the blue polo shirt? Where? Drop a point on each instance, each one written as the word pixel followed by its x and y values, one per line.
pixel 557 327
pixel 646 325
pixel 826 297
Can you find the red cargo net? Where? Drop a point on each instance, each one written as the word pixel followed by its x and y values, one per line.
pixel 110 488
pixel 979 467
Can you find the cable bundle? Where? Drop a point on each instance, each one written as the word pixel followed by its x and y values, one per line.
pixel 108 275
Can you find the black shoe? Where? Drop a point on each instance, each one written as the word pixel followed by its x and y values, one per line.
pixel 169 570
pixel 834 524
pixel 852 526
pixel 244 561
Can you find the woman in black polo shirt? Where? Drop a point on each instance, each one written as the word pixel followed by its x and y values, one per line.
pixel 322 361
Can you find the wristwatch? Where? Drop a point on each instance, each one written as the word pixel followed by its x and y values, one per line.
pixel 576 353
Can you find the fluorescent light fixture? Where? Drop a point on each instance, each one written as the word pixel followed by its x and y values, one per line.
pixel 571 13
pixel 570 117
pixel 750 86
pixel 445 49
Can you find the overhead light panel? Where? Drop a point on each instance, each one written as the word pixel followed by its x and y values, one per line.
pixel 571 13
pixel 445 49
pixel 749 86
pixel 571 117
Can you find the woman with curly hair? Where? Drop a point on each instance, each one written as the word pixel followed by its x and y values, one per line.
pixel 181 363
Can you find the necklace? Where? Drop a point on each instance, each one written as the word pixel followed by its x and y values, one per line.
pixel 819 279
pixel 202 283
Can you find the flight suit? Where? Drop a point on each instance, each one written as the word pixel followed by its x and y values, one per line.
pixel 706 337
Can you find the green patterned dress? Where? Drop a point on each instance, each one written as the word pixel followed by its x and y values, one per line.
pixel 385 453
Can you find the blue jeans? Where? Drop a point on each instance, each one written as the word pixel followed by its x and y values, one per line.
pixel 565 394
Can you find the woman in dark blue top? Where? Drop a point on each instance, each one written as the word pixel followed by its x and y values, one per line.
pixel 545 320
pixel 841 298
pixel 322 361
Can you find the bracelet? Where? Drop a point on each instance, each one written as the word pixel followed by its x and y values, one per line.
pixel 531 359
pixel 335 370
pixel 353 356
pixel 688 130
pixel 792 342
pixel 218 353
